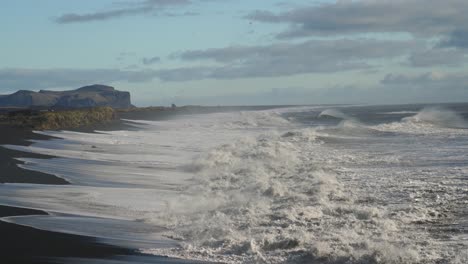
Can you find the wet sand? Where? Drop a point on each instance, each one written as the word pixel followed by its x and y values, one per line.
pixel 9 171
pixel 22 244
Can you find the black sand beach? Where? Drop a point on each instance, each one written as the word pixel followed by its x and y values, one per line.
pixel 20 244
pixel 10 172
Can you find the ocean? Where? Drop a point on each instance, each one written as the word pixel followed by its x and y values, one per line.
pixel 304 184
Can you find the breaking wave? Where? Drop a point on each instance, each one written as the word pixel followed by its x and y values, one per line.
pixel 269 200
pixel 399 113
pixel 431 120
pixel 335 113
pixel 258 119
pixel 439 117
pixel 255 187
pixel 349 126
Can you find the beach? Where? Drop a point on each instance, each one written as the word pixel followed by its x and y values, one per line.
pixel 322 184
pixel 21 244
pixel 24 244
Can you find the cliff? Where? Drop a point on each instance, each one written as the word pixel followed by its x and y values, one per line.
pixel 84 97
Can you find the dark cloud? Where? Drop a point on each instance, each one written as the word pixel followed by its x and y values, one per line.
pixel 339 94
pixel 315 56
pixel 443 22
pixel 15 79
pixel 394 88
pixel 76 18
pixel 437 57
pixel 152 60
pixel 428 79
pixel 140 7
pixel 313 50
pixel 427 87
pixel 255 71
pixel 457 39
pixel 418 17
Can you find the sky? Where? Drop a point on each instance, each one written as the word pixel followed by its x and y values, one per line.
pixel 240 52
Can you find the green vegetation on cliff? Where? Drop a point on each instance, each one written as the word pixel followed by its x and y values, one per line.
pixel 65 119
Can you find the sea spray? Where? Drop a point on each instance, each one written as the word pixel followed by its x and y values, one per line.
pixel 268 201
pixel 335 113
pixel 257 187
pixel 429 120
pixel 439 117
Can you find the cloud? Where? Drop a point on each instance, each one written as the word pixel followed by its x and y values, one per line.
pixel 314 56
pixel 417 17
pixel 186 74
pixel 433 79
pixel 437 57
pixel 125 55
pixel 184 14
pixel 457 39
pixel 140 7
pixel 440 22
pixel 338 94
pixel 341 49
pixel 393 88
pixel 76 18
pixel 34 79
pixel 152 60
pixel 426 87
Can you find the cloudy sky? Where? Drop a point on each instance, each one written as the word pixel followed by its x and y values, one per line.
pixel 217 52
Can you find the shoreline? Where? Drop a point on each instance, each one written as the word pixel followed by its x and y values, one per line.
pixel 30 245
pixel 11 172
pixel 24 244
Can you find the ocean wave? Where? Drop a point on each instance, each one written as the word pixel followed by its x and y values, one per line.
pixel 438 117
pixel 267 200
pixel 335 113
pixel 349 126
pixel 254 187
pixel 399 113
pixel 432 120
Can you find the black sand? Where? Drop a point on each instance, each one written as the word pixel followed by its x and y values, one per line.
pixel 20 244
pixel 9 171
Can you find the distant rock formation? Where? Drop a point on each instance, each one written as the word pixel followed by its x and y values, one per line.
pixel 88 96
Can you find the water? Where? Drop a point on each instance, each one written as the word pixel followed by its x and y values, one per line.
pixel 349 184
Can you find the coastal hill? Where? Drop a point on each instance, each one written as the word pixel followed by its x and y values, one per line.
pixel 85 97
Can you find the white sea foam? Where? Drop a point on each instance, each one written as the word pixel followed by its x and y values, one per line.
pixel 398 113
pixel 335 113
pixel 275 204
pixel 255 187
pixel 439 117
pixel 431 120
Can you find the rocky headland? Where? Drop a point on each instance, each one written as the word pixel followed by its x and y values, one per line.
pixel 85 97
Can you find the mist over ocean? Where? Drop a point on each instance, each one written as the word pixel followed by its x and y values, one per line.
pixel 311 184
